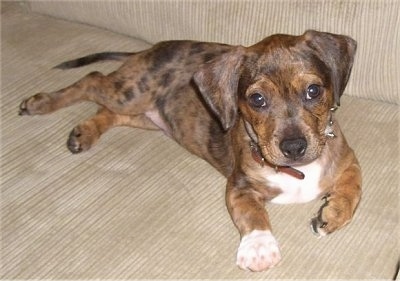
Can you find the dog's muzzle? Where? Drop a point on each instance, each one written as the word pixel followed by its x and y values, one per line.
pixel 259 158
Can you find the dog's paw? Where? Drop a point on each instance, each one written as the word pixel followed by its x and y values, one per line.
pixel 82 138
pixel 334 213
pixel 258 251
pixel 36 104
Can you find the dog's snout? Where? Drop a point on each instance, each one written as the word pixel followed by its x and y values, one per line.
pixel 293 148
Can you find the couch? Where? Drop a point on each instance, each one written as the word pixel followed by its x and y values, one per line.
pixel 137 205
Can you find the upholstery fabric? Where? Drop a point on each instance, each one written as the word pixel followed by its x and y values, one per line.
pixel 374 24
pixel 138 206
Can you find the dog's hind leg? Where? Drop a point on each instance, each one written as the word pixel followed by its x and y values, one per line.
pixel 43 103
pixel 106 91
pixel 86 134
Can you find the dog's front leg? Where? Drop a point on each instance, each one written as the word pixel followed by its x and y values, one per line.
pixel 258 249
pixel 341 200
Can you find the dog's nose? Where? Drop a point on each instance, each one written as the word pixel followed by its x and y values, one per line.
pixel 293 148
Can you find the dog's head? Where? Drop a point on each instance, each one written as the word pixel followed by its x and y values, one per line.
pixel 284 87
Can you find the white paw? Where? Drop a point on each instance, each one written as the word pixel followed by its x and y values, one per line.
pixel 258 251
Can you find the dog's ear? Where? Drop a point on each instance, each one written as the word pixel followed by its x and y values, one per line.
pixel 217 81
pixel 337 51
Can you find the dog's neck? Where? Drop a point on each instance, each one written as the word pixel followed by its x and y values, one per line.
pixel 259 158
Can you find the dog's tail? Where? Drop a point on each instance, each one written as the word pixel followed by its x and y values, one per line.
pixel 119 56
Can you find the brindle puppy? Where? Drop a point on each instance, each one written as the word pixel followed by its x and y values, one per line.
pixel 261 115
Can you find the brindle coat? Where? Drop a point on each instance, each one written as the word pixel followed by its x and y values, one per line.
pixel 215 100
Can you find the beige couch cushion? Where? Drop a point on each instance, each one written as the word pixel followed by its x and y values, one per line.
pixel 139 206
pixel 373 23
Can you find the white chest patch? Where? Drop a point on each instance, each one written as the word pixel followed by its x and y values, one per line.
pixel 295 190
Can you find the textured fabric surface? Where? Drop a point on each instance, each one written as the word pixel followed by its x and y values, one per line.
pixel 139 206
pixel 373 23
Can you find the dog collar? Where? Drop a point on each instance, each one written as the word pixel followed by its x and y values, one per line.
pixel 257 156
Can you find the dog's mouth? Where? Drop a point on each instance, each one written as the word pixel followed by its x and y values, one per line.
pixel 259 157
pixel 293 163
pixel 277 157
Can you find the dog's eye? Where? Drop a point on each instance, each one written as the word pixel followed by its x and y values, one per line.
pixel 257 100
pixel 313 91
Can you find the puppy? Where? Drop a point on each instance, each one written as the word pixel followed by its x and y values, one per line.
pixel 261 115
